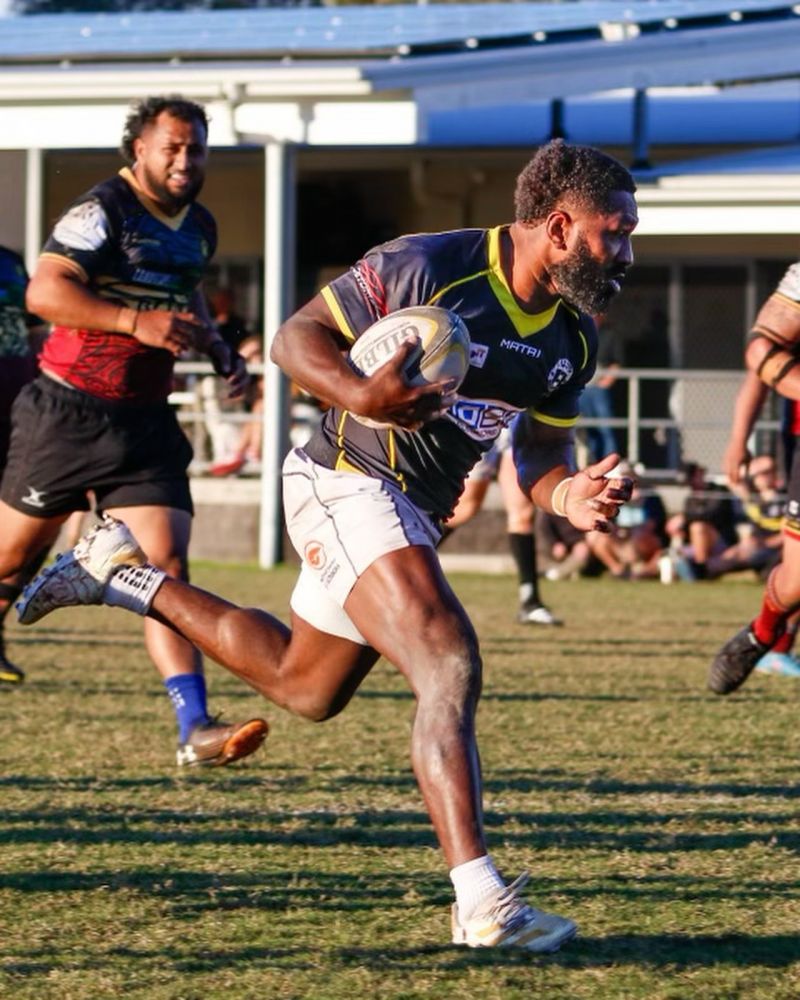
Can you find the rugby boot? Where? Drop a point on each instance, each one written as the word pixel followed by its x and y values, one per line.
pixel 80 575
pixel 217 743
pixel 504 920
pixel 735 661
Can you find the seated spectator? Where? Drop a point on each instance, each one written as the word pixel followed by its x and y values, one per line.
pixel 637 538
pixel 567 549
pixel 222 420
pixel 707 525
pixel 244 449
pixel 761 538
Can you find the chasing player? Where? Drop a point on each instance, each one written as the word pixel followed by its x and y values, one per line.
pixel 119 279
pixel 773 361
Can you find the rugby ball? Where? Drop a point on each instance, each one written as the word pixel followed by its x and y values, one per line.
pixel 442 350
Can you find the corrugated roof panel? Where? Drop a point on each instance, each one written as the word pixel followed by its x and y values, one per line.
pixel 332 31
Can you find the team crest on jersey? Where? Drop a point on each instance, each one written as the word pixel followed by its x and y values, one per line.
pixel 560 373
pixel 83 227
pixel 478 353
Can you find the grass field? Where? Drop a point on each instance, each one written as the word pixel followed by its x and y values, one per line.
pixel 664 820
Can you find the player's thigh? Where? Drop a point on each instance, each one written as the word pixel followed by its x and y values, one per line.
pixel 321 672
pixel 405 608
pixel 163 533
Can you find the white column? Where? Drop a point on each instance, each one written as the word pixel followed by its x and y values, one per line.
pixel 279 278
pixel 34 206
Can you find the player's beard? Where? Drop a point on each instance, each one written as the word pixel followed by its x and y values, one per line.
pixel 583 282
pixel 166 197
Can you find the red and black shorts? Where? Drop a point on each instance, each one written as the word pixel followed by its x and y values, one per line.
pixel 791 513
pixel 65 443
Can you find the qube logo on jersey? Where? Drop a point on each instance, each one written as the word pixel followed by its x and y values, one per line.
pixel 560 373
pixel 481 419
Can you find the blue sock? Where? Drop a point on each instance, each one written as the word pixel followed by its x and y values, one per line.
pixel 187 692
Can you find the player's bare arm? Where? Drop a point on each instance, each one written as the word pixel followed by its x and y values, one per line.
pixel 749 402
pixel 310 349
pixel 773 353
pixel 59 294
pixel 544 456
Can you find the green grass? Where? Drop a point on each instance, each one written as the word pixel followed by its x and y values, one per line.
pixel 664 820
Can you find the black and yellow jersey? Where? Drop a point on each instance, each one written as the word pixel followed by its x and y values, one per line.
pixel 519 361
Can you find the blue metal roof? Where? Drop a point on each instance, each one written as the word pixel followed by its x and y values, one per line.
pixel 337 32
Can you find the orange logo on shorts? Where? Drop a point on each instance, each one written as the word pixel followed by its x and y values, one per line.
pixel 314 555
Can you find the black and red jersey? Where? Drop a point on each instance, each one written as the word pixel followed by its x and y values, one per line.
pixel 519 362
pixel 127 251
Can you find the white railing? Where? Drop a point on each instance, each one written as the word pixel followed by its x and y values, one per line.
pixel 694 422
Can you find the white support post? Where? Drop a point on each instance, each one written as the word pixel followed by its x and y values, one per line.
pixel 34 207
pixel 279 254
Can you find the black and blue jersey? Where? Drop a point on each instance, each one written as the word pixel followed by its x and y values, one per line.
pixel 127 251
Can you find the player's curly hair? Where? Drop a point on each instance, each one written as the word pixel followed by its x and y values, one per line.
pixel 560 172
pixel 145 112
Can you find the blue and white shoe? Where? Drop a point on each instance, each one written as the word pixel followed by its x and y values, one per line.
pixel 783 664
pixel 80 575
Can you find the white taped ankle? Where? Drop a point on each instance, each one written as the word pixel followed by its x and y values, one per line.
pixel 473 882
pixel 133 588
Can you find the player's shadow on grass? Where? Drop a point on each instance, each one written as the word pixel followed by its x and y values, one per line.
pixel 644 832
pixel 654 951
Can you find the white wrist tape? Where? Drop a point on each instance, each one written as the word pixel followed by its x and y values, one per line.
pixel 558 498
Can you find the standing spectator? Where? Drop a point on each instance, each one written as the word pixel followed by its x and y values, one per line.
pixel 17 368
pixel 119 279
pixel 498 463
pixel 596 397
pixel 230 325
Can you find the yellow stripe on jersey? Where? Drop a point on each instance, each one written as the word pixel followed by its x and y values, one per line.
pixel 338 315
pixel 342 465
pixel 173 222
pixel 545 418
pixel 399 477
pixel 526 324
pixel 455 284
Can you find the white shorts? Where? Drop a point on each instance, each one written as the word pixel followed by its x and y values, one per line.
pixel 340 523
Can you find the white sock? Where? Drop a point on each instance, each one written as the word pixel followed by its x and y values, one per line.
pixel 474 881
pixel 133 587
